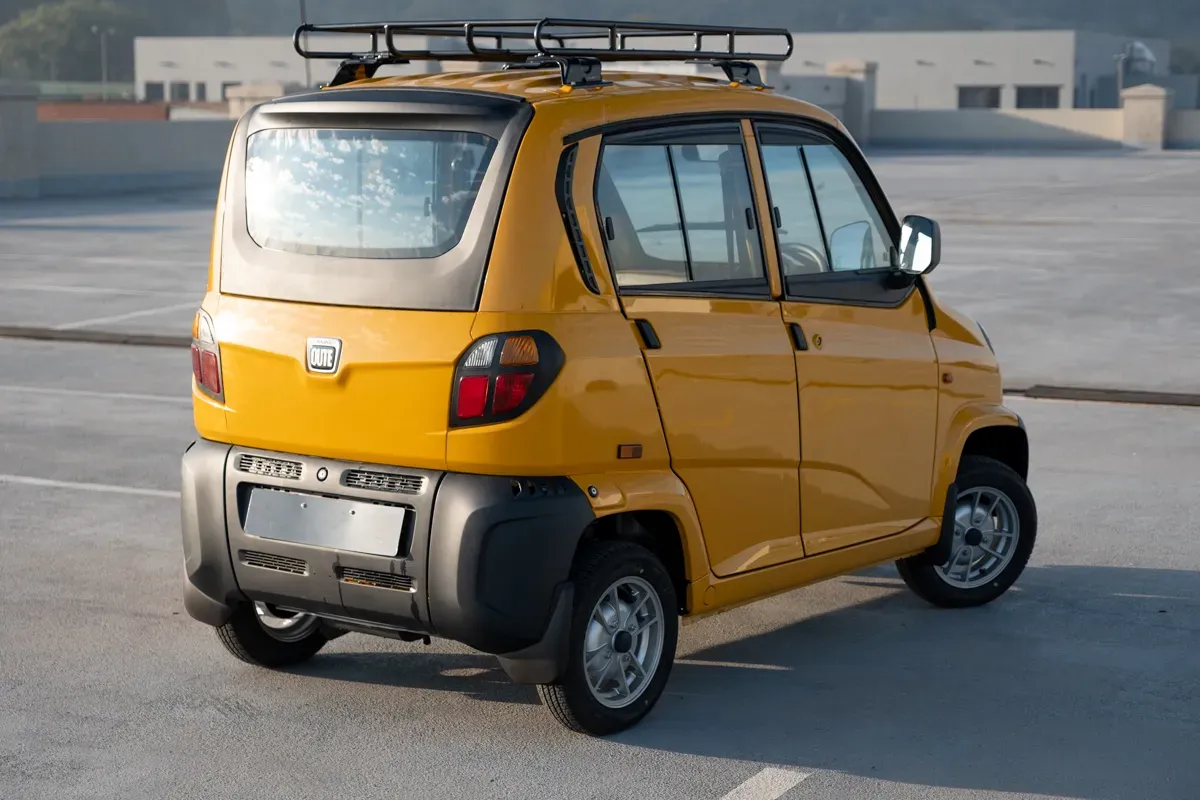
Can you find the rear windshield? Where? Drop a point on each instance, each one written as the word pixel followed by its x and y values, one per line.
pixel 358 193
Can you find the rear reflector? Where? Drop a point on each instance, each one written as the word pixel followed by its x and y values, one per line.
pixel 196 365
pixel 472 396
pixel 510 391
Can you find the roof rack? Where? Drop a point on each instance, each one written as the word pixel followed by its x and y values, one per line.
pixel 577 47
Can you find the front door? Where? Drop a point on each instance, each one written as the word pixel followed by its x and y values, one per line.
pixel 682 236
pixel 867 373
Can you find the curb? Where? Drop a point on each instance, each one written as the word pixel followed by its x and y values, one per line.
pixel 93 337
pixel 1035 392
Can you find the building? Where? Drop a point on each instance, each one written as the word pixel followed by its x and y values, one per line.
pixel 987 69
pixel 202 68
pixel 941 70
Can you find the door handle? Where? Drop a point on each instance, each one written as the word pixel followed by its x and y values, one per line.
pixel 646 331
pixel 798 339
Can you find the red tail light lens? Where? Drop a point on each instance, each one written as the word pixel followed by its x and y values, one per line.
pixel 210 372
pixel 206 356
pixel 501 376
pixel 472 396
pixel 511 389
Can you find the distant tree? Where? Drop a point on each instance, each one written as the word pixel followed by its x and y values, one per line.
pixel 55 41
pixel 1185 58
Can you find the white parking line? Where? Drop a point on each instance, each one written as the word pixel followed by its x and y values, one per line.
pixel 146 312
pixel 48 287
pixel 697 662
pixel 148 398
pixel 768 784
pixel 25 480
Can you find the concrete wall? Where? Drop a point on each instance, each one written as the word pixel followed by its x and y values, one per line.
pixel 81 158
pixel 1023 128
pixel 18 140
pixel 1183 130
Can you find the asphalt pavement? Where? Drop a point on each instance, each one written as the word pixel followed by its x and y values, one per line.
pixel 1082 682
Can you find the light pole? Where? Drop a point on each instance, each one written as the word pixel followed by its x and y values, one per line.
pixel 103 33
pixel 1120 59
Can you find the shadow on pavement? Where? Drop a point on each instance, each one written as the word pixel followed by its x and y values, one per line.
pixel 473 674
pixel 1081 683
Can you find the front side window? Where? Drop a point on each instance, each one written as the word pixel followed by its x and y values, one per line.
pixel 798 231
pixel 854 232
pixel 363 193
pixel 678 215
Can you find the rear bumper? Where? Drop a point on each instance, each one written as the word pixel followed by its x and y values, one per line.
pixel 483 560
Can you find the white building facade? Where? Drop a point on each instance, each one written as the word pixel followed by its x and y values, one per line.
pixel 941 70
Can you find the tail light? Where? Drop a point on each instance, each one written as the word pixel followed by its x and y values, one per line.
pixel 500 376
pixel 206 356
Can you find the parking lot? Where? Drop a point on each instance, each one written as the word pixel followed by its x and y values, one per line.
pixel 1080 683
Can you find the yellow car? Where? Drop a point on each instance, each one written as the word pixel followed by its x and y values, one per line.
pixel 550 358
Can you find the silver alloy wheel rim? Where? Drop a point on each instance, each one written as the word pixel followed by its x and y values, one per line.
pixel 623 642
pixel 285 626
pixel 986 531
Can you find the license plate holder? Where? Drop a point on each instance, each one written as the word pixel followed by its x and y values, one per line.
pixel 334 522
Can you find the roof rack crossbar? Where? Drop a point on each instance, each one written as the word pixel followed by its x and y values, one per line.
pixel 576 46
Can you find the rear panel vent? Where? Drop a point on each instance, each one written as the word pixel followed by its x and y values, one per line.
pixel 380 580
pixel 383 481
pixel 253 558
pixel 270 467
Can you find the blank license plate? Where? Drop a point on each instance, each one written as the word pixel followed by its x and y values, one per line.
pixel 325 522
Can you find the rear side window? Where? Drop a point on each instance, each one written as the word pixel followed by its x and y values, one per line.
pixel 395 194
pixel 679 215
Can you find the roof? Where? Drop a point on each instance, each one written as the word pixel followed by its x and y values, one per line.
pixel 542 84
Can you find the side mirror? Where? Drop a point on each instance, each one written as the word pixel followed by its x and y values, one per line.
pixel 851 247
pixel 920 245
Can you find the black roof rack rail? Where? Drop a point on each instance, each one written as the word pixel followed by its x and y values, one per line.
pixel 576 46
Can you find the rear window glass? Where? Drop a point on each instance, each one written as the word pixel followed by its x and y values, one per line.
pixel 363 193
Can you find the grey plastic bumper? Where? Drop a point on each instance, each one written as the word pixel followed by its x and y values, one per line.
pixel 489 558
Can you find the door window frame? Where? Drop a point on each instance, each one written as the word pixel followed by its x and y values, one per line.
pixel 666 132
pixel 879 287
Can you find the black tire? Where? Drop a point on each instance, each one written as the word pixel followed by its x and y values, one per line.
pixel 247 640
pixel 923 578
pixel 597 567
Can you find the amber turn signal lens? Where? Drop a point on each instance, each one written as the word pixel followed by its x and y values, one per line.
pixel 519 351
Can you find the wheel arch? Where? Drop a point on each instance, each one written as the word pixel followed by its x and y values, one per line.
pixel 657 531
pixel 980 430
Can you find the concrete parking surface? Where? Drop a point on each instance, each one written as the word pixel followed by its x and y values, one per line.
pixel 1081 683
pixel 1081 266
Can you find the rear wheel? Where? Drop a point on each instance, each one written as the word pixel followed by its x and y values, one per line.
pixel 624 628
pixel 265 636
pixel 995 524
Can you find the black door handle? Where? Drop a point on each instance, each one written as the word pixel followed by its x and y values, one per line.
pixel 646 330
pixel 798 336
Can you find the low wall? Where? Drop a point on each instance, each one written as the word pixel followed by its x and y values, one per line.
pixel 1024 128
pixel 82 158
pixel 1183 130
pixel 65 110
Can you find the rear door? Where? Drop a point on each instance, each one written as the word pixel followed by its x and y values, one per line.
pixel 683 243
pixel 362 217
pixel 866 369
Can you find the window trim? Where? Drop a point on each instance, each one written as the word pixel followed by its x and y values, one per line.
pixel 665 132
pixel 873 287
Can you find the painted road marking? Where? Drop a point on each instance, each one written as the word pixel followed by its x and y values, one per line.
pixel 25 480
pixel 696 662
pixel 768 784
pixel 146 312
pixel 67 289
pixel 148 398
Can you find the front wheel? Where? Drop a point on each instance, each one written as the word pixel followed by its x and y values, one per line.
pixel 265 636
pixel 624 629
pixel 995 524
